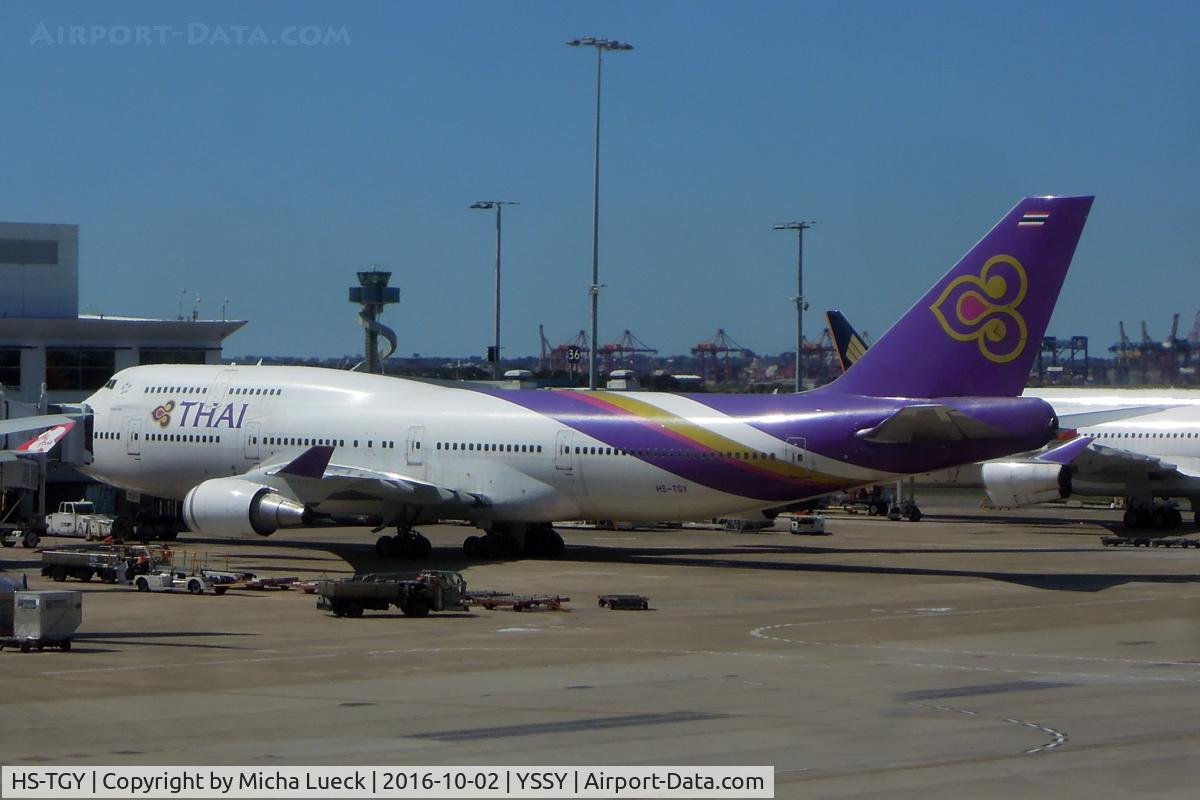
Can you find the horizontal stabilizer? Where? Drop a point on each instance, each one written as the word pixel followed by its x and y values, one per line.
pixel 929 422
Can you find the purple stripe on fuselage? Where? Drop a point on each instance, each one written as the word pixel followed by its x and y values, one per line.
pixel 668 450
pixel 827 422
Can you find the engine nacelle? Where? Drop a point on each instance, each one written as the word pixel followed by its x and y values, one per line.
pixel 235 507
pixel 1023 483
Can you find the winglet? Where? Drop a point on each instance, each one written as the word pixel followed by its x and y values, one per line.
pixel 309 464
pixel 1066 453
pixel 44 442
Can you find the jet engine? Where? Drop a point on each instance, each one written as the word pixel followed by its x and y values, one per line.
pixel 1023 483
pixel 235 507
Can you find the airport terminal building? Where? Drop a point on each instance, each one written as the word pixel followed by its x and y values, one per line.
pixel 44 340
pixel 50 353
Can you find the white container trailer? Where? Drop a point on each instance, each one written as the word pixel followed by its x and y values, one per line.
pixel 45 619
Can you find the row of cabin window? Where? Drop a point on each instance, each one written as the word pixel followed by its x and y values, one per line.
pixel 110 435
pixel 240 390
pixel 176 390
pixel 199 438
pixel 745 455
pixel 1146 435
pixel 303 441
pixel 489 447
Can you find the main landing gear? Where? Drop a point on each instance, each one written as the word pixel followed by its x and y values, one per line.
pixel 505 541
pixel 1159 517
pixel 406 544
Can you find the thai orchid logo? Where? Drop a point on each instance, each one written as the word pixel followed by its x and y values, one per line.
pixel 162 414
pixel 984 309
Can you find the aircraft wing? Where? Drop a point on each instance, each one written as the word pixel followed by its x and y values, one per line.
pixel 1086 419
pixel 1100 463
pixel 929 422
pixel 312 478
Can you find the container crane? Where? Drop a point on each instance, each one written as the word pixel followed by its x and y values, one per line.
pixel 623 352
pixel 720 357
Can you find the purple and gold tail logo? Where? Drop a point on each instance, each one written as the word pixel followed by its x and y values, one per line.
pixel 983 308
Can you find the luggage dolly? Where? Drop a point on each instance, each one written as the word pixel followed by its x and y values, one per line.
pixel 493 600
pixel 638 602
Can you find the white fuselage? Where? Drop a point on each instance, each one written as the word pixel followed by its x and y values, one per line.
pixel 1172 434
pixel 162 430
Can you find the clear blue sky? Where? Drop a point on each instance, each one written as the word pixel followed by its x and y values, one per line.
pixel 270 174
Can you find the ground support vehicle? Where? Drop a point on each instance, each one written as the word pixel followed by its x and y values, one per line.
pixel 614 602
pixel 430 590
pixel 1146 541
pixel 28 539
pixel 79 518
pixel 44 619
pixel 875 501
pixel 111 563
pixel 808 524
pixel 177 582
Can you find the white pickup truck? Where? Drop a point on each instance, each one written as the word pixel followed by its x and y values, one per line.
pixel 79 518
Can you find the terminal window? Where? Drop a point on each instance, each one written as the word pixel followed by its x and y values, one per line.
pixel 72 369
pixel 28 251
pixel 10 367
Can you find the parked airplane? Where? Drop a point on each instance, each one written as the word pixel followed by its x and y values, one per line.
pixel 254 449
pixel 1140 444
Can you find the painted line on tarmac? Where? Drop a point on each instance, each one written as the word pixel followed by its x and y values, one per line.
pixel 1057 738
pixel 418 651
pixel 941 614
pixel 1077 676
pixel 193 664
pixel 760 633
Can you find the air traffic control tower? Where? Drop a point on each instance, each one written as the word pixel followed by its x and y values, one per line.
pixel 373 293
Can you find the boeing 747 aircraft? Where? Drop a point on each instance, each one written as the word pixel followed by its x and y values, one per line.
pixel 250 449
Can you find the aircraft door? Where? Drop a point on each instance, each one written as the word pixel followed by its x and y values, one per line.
pixel 133 438
pixel 562 451
pixel 416 435
pixel 797 450
pixel 253 441
pixel 216 392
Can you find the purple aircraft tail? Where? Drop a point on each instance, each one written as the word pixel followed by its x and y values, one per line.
pixel 977 331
